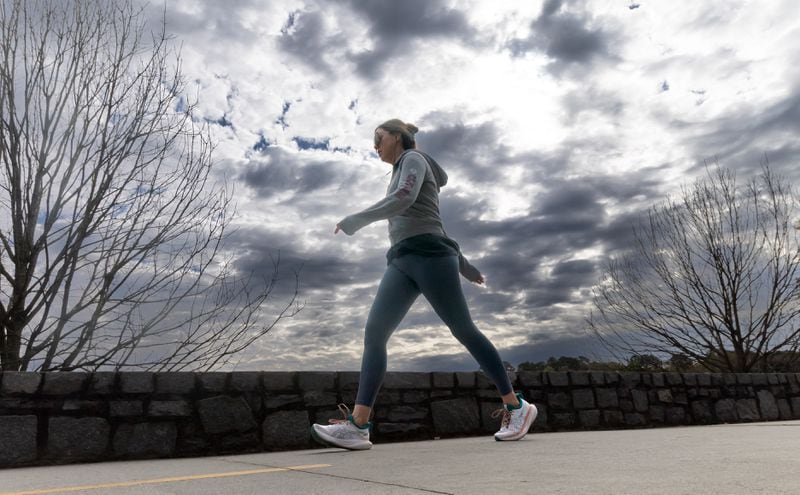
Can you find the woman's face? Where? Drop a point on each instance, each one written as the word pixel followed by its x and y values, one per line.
pixel 389 146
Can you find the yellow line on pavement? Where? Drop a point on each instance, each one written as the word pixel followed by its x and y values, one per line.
pixel 125 484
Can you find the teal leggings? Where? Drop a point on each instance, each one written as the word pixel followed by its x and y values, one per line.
pixel 437 278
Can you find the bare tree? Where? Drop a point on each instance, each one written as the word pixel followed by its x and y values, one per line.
pixel 111 226
pixel 713 275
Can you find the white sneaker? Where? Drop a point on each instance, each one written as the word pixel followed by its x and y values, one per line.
pixel 344 433
pixel 516 422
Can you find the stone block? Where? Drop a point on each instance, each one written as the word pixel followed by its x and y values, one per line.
pixel 613 418
pixel 563 419
pixel 317 380
pixel 170 408
pixel 136 382
pixel 774 378
pixel 680 398
pixel 17 440
pixel 61 383
pixel 658 379
pixel 607 398
pixel 785 412
pixel 248 381
pixel 597 377
pixel 443 380
pixel 286 430
pixel 240 442
pixel 224 414
pixel 283 400
pixel 626 405
pixel 767 405
pixel 388 397
pixel 212 382
pixel 703 380
pixel 726 410
pixel 174 383
pixel 583 398
pixel 491 416
pixel 635 419
pixel 675 415
pixel 403 430
pixel 407 414
pixel 440 394
pixel 102 383
pixel 747 410
pixel 729 379
pixel 145 440
pixel 674 379
pixel 690 379
pixel 455 416
pixel 558 378
pixel 541 420
pixel 530 378
pixel 795 401
pixel 612 377
pixel 664 395
pixel 484 382
pixel 125 408
pixel 590 418
pixel 348 380
pixel 317 398
pixel 657 414
pixel 630 378
pixel 416 396
pixel 284 381
pixel 465 379
pixel 579 378
pixel 408 380
pixel 20 383
pixel 717 379
pixel 640 402
pixel 191 439
pixel 701 412
pixel 760 379
pixel 559 400
pixel 77 439
pixel 744 378
pixel 85 407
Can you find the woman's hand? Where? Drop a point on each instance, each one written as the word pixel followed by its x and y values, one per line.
pixel 337 229
pixel 480 280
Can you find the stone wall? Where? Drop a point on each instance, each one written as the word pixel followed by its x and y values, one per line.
pixel 80 417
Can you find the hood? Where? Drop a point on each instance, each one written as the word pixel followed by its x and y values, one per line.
pixel 438 172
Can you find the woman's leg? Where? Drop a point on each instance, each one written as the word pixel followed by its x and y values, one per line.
pixel 439 281
pixel 396 293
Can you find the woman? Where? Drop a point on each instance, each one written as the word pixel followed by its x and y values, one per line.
pixel 421 260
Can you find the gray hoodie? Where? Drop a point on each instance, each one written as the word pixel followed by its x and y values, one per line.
pixel 411 204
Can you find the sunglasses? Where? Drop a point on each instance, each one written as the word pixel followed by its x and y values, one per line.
pixel 378 138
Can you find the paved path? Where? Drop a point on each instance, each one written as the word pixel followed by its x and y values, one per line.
pixel 727 459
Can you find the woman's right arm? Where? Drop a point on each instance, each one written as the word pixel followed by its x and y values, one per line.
pixel 412 174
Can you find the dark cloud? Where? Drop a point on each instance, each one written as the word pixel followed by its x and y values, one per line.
pixel 568 38
pixel 743 139
pixel 305 37
pixel 276 170
pixel 395 28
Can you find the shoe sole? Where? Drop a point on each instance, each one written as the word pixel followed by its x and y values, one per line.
pixel 329 442
pixel 529 419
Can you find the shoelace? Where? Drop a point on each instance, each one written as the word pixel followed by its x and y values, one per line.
pixel 345 411
pixel 506 416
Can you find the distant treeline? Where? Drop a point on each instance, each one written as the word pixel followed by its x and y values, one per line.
pixel 785 362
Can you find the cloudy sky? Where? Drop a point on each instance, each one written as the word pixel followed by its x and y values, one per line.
pixel 559 122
